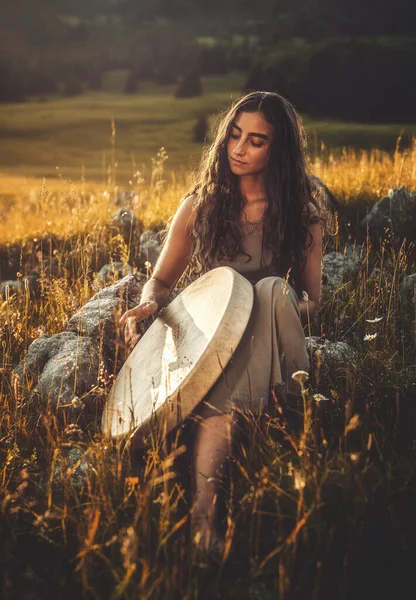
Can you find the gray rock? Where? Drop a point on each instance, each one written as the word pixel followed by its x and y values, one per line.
pixel 115 270
pixel 397 212
pixel 150 248
pixel 125 222
pixel 15 287
pixel 339 268
pixel 320 189
pixel 40 351
pixel 336 357
pixel 80 466
pixel 409 286
pixel 71 372
pixel 18 286
pixel 98 318
pixel 66 366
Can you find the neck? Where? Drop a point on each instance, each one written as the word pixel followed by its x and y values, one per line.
pixel 252 189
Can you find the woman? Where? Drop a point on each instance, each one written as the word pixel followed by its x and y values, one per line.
pixel 252 208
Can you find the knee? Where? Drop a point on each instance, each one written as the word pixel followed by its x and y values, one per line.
pixel 280 288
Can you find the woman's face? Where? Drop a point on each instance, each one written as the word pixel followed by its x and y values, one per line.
pixel 249 142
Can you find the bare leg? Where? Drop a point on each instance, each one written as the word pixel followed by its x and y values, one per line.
pixel 213 442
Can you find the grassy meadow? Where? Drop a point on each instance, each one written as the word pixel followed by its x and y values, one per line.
pixel 319 501
pixel 73 138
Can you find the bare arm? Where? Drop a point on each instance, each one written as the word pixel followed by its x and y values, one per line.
pixel 311 274
pixel 170 265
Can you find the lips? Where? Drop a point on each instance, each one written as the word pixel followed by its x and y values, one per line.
pixel 238 162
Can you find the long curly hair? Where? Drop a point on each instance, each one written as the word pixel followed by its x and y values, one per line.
pixel 289 187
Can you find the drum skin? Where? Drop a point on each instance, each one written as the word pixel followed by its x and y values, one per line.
pixel 179 358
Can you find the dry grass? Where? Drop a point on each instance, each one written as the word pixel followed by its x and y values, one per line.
pixel 67 209
pixel 312 492
pixel 361 176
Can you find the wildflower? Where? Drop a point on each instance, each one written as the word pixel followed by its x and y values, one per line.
pixel 370 336
pixel 77 403
pixel 320 398
pixel 300 376
pixel 376 320
pixel 299 481
pixel 305 296
pixel 148 265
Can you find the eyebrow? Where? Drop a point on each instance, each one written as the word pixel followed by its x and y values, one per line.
pixel 252 133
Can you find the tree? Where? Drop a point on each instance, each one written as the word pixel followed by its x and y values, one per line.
pixel 189 85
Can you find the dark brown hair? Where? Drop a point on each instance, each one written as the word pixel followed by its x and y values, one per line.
pixel 288 184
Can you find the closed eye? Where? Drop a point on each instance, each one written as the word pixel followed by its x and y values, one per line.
pixel 236 137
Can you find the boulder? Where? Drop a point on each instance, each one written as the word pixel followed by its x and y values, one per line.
pixel 408 287
pixel 335 358
pixel 340 267
pixel 125 222
pixel 69 367
pixel 77 466
pixel 396 214
pixel 98 318
pixel 150 248
pixel 319 189
pixel 336 355
pixel 66 368
pixel 19 286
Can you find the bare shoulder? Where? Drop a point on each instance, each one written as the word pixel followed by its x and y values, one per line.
pixel 186 212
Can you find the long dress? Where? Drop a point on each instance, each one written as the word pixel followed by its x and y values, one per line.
pixel 272 347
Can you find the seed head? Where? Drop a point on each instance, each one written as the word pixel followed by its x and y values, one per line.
pixel 300 376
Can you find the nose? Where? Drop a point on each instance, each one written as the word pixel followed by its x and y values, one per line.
pixel 239 148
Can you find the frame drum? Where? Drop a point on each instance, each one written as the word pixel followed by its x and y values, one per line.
pixel 179 358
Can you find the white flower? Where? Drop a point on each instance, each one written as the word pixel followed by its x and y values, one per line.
pixel 320 398
pixel 299 481
pixel 77 403
pixel 300 376
pixel 376 320
pixel 305 296
pixel 370 336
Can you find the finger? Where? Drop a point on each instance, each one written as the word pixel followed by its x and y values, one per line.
pixel 130 330
pixel 128 314
pixel 140 312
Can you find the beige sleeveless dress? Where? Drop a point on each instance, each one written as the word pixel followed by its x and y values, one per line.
pixel 272 347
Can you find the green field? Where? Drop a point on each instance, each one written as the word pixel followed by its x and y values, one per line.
pixel 64 136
